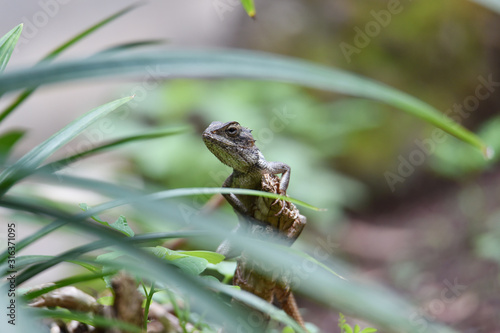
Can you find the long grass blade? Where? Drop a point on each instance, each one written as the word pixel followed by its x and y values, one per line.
pixel 59 164
pixel 71 255
pixel 249 7
pixel 93 320
pixel 7 44
pixel 76 252
pixel 22 262
pixel 32 238
pixel 141 263
pixel 63 283
pixel 53 54
pixel 131 45
pixel 169 194
pixel 376 304
pixel 263 306
pixel 7 142
pixel 37 155
pixel 181 192
pixel 88 31
pixel 149 197
pixel 238 64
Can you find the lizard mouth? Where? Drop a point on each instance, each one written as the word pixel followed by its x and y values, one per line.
pixel 208 136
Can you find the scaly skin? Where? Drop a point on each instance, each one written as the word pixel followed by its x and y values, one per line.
pixel 234 146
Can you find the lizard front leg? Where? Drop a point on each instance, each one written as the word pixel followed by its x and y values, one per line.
pixel 227 248
pixel 276 168
pixel 233 200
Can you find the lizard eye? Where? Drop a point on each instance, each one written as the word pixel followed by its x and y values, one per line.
pixel 232 130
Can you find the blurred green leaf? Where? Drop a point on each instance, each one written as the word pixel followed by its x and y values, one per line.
pixel 22 262
pixel 88 31
pixel 316 262
pixel 59 164
pixel 190 264
pixel 261 305
pixel 32 238
pixel 96 218
pixel 106 300
pixel 164 253
pixel 179 192
pixel 149 267
pixel 455 162
pixel 211 257
pixel 249 7
pixel 92 267
pixel 25 94
pixel 62 283
pixel 374 303
pixel 241 64
pixel 147 303
pixel 120 224
pixel 226 268
pixel 7 45
pixel 132 45
pixel 37 155
pixel 88 319
pixel 7 142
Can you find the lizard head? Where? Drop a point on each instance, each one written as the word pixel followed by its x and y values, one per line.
pixel 232 144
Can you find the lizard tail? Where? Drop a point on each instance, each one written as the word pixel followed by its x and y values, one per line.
pixel 291 309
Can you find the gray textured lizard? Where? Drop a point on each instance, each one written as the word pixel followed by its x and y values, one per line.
pixel 234 146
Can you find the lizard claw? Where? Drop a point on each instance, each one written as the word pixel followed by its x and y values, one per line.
pixel 282 203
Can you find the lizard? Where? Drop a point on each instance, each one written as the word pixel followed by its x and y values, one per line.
pixel 235 146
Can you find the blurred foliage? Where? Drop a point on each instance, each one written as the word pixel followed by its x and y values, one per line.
pixel 454 162
pixel 338 149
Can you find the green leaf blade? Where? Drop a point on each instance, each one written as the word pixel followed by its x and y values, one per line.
pixel 122 226
pixel 211 257
pixel 25 94
pixel 239 64
pixel 93 320
pixel 347 328
pixel 7 45
pixel 249 7
pixel 88 31
pixel 59 164
pixel 192 265
pixel 7 142
pixel 213 190
pixel 369 330
pixel 37 155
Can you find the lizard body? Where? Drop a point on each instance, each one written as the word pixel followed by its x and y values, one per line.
pixel 234 146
